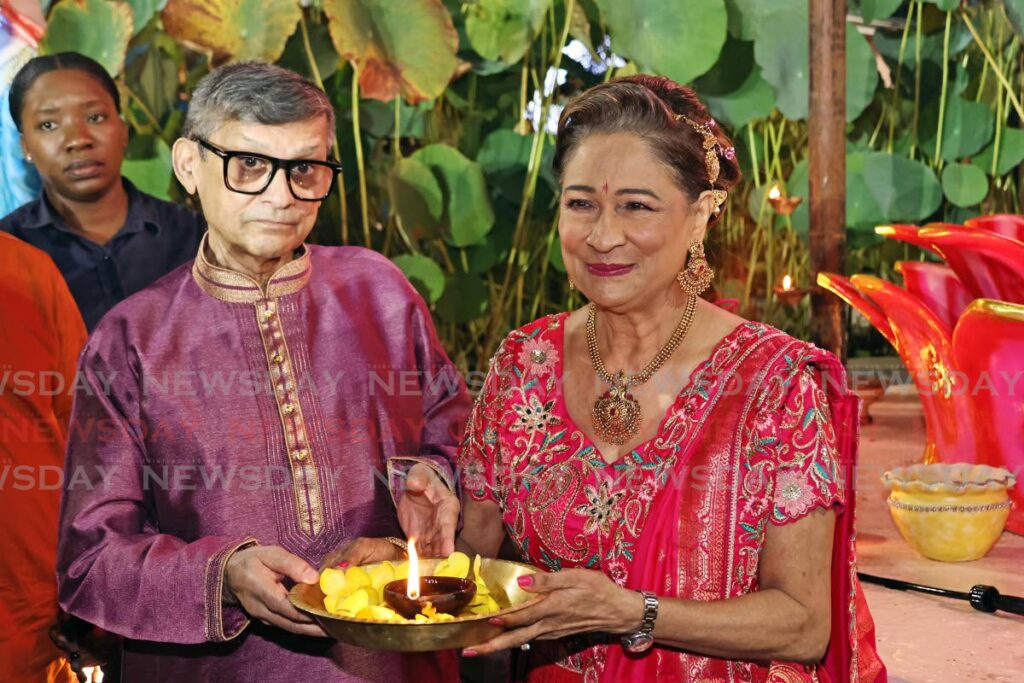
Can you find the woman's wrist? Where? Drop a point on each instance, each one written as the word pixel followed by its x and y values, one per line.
pixel 630 611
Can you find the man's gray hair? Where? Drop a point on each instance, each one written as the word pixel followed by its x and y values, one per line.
pixel 254 92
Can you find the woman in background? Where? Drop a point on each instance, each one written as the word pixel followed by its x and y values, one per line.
pixel 108 239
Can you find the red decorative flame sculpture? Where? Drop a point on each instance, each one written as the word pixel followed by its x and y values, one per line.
pixel 937 286
pixel 1006 224
pixel 988 347
pixel 967 358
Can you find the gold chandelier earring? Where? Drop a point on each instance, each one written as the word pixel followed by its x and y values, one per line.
pixel 572 285
pixel 698 274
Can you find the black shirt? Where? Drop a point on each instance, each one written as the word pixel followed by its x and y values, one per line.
pixel 156 238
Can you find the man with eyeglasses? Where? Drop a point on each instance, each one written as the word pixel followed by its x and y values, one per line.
pixel 253 413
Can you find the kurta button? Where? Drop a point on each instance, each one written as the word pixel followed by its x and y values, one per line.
pixel 288 408
pixel 300 455
pixel 268 314
pixel 277 358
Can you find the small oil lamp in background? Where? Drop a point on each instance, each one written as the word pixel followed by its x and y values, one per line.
pixel 781 203
pixel 447 594
pixel 787 293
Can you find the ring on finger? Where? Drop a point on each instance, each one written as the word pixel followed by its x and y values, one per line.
pixel 525 647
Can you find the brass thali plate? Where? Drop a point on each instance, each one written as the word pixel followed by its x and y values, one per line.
pixel 499 575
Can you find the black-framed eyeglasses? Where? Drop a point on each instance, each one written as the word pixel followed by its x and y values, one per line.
pixel 309 180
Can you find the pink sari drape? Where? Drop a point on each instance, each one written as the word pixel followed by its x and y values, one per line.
pixel 661 557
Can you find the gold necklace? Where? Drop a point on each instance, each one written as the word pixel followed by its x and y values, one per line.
pixel 617 415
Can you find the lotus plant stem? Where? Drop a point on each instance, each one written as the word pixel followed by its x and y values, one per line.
pixel 363 210
pixel 989 59
pixel 753 155
pixel 917 80
pixel 570 8
pixel 942 93
pixel 315 70
pixel 894 111
pixel 398 129
pixel 404 235
pixel 983 79
pixel 1000 122
pixel 439 243
pixel 878 126
pixel 521 114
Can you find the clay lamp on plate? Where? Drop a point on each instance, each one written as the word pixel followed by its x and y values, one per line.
pixel 446 594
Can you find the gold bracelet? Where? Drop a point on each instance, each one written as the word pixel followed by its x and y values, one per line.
pixel 402 545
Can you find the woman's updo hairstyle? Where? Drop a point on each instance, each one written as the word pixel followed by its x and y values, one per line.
pixel 660 111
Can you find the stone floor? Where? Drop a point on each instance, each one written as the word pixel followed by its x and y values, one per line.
pixel 925 639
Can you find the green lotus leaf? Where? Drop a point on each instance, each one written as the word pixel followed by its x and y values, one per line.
pixel 878 9
pixel 783 58
pixel 465 298
pixel 734 90
pixel 967 127
pixel 1015 11
pixel 468 208
pixel 405 48
pixel 504 29
pixel 233 30
pixel 880 188
pixel 945 5
pixel 681 39
pixel 418 197
pixel 1011 152
pixel 424 274
pixel 143 11
pixel 964 184
pixel 743 18
pixel 95 28
pixel 153 174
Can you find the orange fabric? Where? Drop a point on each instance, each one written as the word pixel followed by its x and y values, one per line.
pixel 41 334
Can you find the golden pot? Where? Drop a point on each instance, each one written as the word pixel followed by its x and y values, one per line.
pixel 949 512
pixel 499 575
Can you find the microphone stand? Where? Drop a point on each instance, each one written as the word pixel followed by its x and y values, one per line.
pixel 982 598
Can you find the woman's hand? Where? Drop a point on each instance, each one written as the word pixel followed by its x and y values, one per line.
pixel 575 601
pixel 429 512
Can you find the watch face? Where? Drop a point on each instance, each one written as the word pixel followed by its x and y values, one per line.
pixel 640 642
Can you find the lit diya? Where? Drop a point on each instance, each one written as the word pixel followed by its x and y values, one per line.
pixel 782 204
pixel 787 293
pixel 446 594
pixel 417 605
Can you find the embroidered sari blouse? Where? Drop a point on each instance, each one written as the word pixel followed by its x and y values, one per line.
pixel 564 506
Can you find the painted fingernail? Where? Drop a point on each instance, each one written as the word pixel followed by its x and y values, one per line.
pixel 525 580
pixel 469 653
pixel 343 564
pixel 497 621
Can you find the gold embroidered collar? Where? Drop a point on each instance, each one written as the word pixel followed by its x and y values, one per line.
pixel 234 287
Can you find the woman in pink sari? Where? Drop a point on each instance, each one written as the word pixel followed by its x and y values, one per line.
pixel 679 474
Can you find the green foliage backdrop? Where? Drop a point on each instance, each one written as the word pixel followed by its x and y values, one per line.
pixel 446 110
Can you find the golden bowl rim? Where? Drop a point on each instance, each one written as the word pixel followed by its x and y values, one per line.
pixel 952 478
pixel 324 614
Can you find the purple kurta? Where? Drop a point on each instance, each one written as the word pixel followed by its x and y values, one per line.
pixel 211 414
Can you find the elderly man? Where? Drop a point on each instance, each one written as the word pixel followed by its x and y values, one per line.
pixel 235 416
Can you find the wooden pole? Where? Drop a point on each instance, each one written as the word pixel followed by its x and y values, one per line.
pixel 827 167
